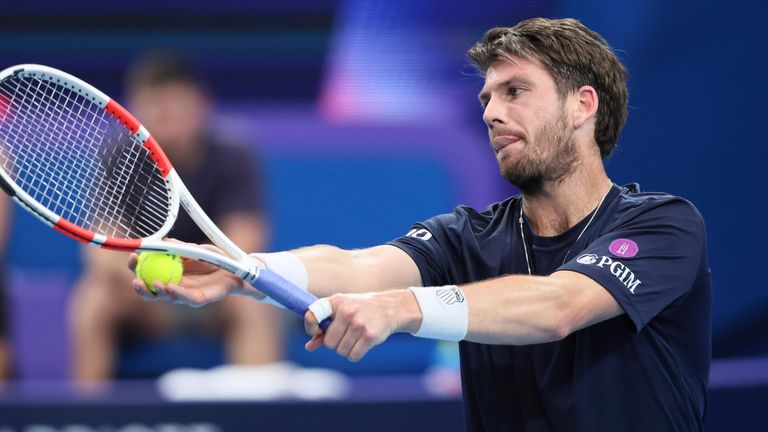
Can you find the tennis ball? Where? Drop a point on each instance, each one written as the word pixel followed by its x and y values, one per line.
pixel 153 266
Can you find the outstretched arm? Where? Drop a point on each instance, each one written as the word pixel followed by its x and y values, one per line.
pixel 510 310
pixel 522 310
pixel 329 270
pixel 368 292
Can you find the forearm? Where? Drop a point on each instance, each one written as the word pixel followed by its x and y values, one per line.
pixel 333 270
pixel 510 310
pixel 518 310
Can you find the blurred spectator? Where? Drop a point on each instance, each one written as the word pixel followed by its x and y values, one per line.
pixel 171 100
pixel 5 346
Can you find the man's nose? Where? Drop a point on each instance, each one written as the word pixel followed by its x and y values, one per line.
pixel 493 114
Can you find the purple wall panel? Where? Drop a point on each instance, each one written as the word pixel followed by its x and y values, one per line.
pixel 290 130
pixel 38 325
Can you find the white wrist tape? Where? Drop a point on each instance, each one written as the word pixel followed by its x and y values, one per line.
pixel 287 265
pixel 322 309
pixel 444 311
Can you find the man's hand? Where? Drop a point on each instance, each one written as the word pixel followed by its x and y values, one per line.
pixel 201 284
pixel 362 321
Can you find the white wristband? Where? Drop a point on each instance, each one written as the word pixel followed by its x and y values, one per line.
pixel 287 265
pixel 444 311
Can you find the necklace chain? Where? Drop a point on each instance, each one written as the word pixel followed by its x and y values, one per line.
pixel 525 245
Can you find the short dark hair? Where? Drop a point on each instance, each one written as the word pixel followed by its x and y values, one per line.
pixel 160 68
pixel 575 56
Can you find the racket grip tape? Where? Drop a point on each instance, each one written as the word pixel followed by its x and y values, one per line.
pixel 287 294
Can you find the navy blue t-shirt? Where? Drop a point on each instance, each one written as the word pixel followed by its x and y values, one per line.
pixel 645 370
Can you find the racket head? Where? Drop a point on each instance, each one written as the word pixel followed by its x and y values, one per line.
pixel 84 165
pixel 80 162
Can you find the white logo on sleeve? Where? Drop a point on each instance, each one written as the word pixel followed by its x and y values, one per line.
pixel 617 268
pixel 587 259
pixel 422 234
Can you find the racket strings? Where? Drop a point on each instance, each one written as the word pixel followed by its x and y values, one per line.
pixel 36 167
pixel 73 158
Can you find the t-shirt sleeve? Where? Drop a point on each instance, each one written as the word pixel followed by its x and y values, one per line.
pixel 647 262
pixel 432 245
pixel 240 189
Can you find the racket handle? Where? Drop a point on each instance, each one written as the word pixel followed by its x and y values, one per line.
pixel 287 294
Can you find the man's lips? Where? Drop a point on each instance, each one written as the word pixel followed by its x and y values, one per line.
pixel 502 141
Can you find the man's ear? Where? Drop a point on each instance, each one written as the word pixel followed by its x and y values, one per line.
pixel 587 103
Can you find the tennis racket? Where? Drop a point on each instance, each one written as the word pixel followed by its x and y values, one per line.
pixel 83 165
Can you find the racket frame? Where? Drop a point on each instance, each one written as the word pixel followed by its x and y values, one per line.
pixel 236 260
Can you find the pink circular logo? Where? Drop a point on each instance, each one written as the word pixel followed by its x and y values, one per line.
pixel 624 248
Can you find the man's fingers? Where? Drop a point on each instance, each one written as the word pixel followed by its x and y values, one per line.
pixel 359 323
pixel 334 334
pixel 311 325
pixel 133 259
pixel 360 349
pixel 170 290
pixel 186 296
pixel 321 309
pixel 348 341
pixel 169 293
pixel 141 289
pixel 318 312
pixel 314 343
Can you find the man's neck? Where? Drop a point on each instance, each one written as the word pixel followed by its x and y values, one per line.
pixel 557 206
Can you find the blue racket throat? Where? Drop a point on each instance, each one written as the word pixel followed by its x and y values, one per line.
pixel 285 293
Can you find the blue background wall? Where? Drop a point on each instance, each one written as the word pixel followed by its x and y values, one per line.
pixel 696 128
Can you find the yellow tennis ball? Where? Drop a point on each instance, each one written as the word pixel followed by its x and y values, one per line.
pixel 154 266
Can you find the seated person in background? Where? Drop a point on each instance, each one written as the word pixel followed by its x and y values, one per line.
pixel 168 97
pixel 5 345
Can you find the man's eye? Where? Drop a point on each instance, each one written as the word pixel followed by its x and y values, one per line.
pixel 515 91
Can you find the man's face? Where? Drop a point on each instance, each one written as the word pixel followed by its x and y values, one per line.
pixel 529 129
pixel 174 113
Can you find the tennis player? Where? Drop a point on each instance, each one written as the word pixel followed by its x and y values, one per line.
pixel 580 305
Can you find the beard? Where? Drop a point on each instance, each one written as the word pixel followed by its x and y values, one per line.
pixel 550 159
